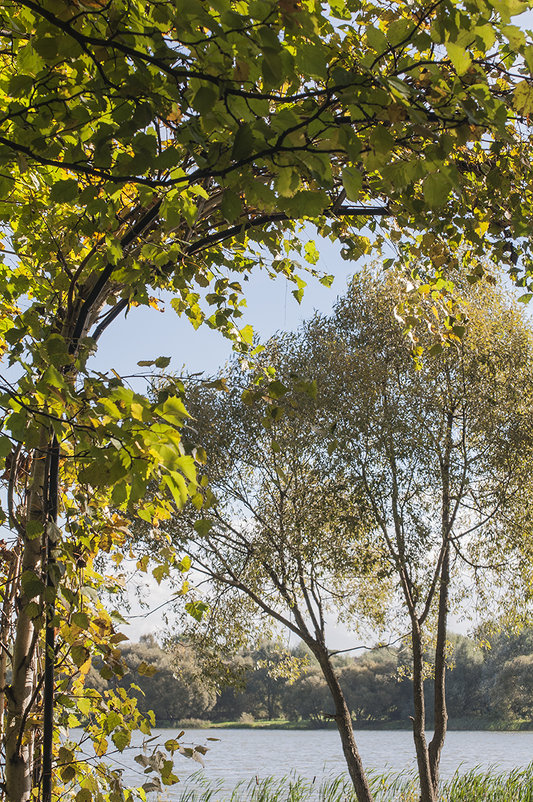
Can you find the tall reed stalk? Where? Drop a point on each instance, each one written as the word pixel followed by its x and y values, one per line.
pixel 473 786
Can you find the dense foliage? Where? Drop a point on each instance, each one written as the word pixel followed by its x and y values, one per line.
pixel 354 485
pixel 487 686
pixel 174 146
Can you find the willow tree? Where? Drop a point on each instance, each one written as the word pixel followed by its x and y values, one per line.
pixel 284 538
pixel 442 454
pixel 346 480
pixel 170 146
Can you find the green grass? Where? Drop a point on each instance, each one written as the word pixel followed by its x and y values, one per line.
pixel 474 786
pixel 469 723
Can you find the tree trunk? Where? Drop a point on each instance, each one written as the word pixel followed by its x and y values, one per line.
pixel 344 725
pixel 427 791
pixel 19 738
pixel 11 590
pixel 441 712
pixel 439 700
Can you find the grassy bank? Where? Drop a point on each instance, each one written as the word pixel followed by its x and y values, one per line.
pixel 467 723
pixel 475 786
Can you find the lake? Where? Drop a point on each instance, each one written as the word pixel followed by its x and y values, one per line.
pixel 242 754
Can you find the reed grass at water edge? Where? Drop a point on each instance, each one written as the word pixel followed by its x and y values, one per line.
pixel 472 786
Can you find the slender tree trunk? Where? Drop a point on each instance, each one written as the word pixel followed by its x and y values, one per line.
pixel 439 701
pixel 19 738
pixel 345 727
pixel 441 712
pixel 49 653
pixel 427 792
pixel 5 628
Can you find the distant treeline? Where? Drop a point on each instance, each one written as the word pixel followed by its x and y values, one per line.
pixel 489 682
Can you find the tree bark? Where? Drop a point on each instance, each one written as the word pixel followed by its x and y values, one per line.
pixel 427 791
pixel 5 628
pixel 19 738
pixel 440 709
pixel 344 724
pixel 441 712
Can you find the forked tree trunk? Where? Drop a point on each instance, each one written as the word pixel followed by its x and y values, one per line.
pixel 19 737
pixel 344 724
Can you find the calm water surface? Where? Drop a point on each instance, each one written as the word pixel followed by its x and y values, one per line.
pixel 242 754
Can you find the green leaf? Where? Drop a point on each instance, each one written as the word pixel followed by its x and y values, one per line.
pixel 459 57
pixel 32 586
pixel 112 721
pixel 64 191
pixel 515 35
pixel 162 362
pixel 247 335
pixel 187 467
pixel 67 773
pixel 523 97
pixel 243 144
pixel 34 610
pixel 277 389
pixel 231 206
pixel 311 60
pixel 312 254
pixel 436 189
pixel 177 486
pixel 81 620
pixel 84 705
pixel 160 571
pixel 306 203
pixel 53 378
pixel 173 410
pixel 146 670
pixel 121 738
pixel 352 181
pixel 204 99
pixel 185 563
pixel 197 609
pixel 376 39
pixel 203 526
pixel 382 140
pixel 80 655
pixel 29 61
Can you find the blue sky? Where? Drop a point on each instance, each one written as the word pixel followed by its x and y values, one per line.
pixel 146 333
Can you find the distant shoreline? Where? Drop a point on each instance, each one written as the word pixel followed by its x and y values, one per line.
pixel 463 724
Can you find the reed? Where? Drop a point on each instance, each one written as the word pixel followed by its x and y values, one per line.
pixel 473 786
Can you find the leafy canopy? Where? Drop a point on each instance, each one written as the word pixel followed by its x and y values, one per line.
pixel 176 146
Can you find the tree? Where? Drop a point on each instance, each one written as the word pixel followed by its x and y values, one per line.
pixel 338 487
pixel 283 537
pixel 273 667
pixel 465 692
pixel 154 146
pixel 511 692
pixel 167 683
pixel 309 697
pixel 441 454
pixel 373 688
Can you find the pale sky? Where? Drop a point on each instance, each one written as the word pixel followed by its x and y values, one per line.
pixel 147 334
